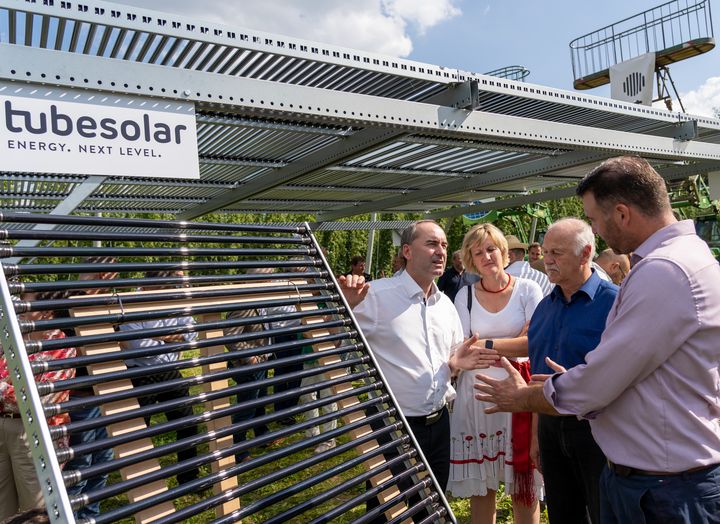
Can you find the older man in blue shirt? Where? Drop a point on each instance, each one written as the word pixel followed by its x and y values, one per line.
pixel 566 325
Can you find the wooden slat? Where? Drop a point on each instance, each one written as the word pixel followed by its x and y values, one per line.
pixel 219 423
pixel 120 428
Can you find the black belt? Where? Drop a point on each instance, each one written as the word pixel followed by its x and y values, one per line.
pixel 627 471
pixel 9 414
pixel 430 419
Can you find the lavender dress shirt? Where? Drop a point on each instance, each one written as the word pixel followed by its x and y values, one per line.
pixel 651 388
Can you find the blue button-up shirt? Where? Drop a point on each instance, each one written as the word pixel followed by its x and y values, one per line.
pixel 567 331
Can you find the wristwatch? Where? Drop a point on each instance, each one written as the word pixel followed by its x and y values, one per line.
pixel 489 343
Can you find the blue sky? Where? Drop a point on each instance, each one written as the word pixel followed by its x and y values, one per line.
pixel 536 35
pixel 471 35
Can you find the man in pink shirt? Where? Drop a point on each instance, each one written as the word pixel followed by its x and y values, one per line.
pixel 651 388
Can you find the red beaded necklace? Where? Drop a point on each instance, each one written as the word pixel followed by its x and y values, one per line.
pixel 499 290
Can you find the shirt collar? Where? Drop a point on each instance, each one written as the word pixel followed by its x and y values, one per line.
pixel 685 227
pixel 412 289
pixel 589 288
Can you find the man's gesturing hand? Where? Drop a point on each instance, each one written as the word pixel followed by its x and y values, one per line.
pixel 354 288
pixel 504 393
pixel 542 377
pixel 465 357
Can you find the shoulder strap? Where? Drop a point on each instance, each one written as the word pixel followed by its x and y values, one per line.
pixel 469 297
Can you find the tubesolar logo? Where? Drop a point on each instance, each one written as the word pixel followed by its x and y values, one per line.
pixel 124 137
pixel 20 121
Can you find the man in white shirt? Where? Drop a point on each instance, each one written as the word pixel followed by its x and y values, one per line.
pixel 416 337
pixel 519 268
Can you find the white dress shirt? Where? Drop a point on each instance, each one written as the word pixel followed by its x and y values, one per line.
pixel 411 338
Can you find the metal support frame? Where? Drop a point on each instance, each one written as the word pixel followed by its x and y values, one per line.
pixel 668 173
pixel 66 207
pixel 418 102
pixel 344 365
pixel 31 409
pixel 340 108
pixel 536 167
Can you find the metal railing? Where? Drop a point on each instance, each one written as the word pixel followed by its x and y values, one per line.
pixel 514 72
pixel 661 28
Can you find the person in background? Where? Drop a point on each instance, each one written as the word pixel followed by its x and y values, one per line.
pixel 246 378
pixel 32 516
pixel 534 252
pixel 398 264
pixel 164 358
pixel 323 393
pixel 651 388
pixel 19 487
pixel 517 266
pixel 455 277
pixel 77 415
pixel 290 370
pixel 567 325
pixel 615 265
pixel 357 267
pixel 487 450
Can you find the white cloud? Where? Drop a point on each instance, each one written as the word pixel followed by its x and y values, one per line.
pixel 423 14
pixel 379 26
pixel 702 100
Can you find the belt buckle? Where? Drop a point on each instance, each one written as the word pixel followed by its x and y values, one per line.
pixel 9 414
pixel 433 417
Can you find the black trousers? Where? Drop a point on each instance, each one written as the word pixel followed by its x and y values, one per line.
pixel 158 398
pixel 434 441
pixel 571 463
pixel 292 383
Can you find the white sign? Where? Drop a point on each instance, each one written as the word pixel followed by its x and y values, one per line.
pixel 131 137
pixel 632 80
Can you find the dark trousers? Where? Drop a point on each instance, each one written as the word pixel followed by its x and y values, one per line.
pixel 246 414
pixel 90 459
pixel 571 464
pixel 434 441
pixel 291 383
pixel 686 498
pixel 165 396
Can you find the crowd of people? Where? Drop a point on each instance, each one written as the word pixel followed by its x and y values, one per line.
pixel 541 370
pixel 606 381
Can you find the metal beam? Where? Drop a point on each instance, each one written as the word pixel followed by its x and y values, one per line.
pixel 67 206
pixel 398 171
pixel 669 173
pixel 470 183
pixel 335 153
pixel 505 203
pixel 262 98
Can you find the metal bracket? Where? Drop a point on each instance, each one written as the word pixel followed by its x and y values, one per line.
pixel 686 130
pixel 464 95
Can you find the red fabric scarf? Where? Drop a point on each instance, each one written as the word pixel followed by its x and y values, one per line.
pixel 524 485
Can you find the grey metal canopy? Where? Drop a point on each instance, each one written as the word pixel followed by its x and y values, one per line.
pixel 287 125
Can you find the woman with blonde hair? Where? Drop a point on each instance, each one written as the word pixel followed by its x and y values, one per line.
pixel 489 449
